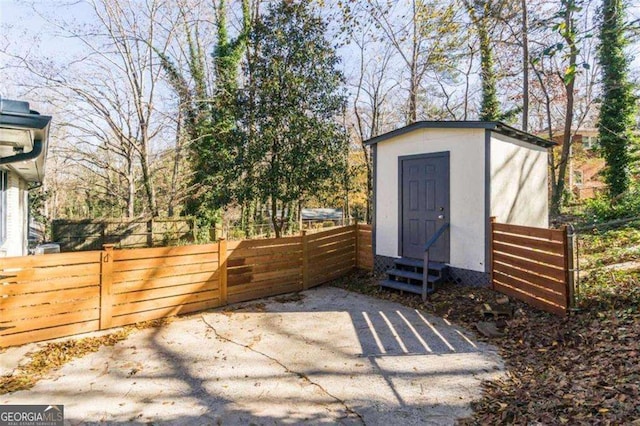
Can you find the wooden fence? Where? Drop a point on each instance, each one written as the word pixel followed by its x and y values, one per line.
pixel 57 295
pixel 75 235
pixel 533 265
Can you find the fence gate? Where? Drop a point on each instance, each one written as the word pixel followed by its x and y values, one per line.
pixel 533 265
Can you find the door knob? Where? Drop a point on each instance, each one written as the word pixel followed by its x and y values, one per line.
pixel 440 216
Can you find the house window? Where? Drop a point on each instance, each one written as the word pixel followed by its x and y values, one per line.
pixel 3 206
pixel 589 142
pixel 578 177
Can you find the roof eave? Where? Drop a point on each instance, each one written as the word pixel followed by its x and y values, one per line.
pixel 489 125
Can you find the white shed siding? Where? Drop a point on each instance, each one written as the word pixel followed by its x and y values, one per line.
pixel 467 190
pixel 17 217
pixel 519 185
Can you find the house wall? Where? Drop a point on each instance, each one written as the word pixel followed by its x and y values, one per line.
pixel 466 149
pixel 519 182
pixel 17 217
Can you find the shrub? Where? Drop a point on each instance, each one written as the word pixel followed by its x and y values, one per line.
pixel 602 209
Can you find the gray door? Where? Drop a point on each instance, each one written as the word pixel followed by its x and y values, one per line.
pixel 424 205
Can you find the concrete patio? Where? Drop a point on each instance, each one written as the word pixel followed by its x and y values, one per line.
pixel 320 356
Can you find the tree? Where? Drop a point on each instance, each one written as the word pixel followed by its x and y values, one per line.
pixel 107 98
pixel 294 141
pixel 481 13
pixel 208 106
pixel 525 66
pixel 421 41
pixel 618 109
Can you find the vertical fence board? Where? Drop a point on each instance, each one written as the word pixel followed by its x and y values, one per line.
pixel 305 260
pixel 106 283
pixel 222 262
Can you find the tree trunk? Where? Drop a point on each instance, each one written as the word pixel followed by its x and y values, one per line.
pixel 131 190
pixel 525 67
pixel 569 85
pixel 277 224
pixel 146 179
pixel 173 190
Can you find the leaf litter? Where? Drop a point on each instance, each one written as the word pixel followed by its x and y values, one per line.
pixel 582 369
pixel 52 356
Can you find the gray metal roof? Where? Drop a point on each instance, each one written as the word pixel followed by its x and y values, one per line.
pixel 321 214
pixel 494 126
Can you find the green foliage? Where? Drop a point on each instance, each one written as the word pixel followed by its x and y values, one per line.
pixel 217 141
pixel 605 247
pixel 480 13
pixel 617 113
pixel 602 208
pixel 294 142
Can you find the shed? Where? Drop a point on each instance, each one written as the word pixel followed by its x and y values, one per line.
pixel 453 175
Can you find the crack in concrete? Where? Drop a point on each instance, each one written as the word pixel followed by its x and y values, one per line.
pixel 302 376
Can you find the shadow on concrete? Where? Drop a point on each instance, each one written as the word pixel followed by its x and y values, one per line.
pixel 317 357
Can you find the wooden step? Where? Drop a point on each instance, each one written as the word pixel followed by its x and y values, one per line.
pixel 409 288
pixel 417 263
pixel 412 275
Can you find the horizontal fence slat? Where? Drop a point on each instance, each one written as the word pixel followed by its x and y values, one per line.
pixel 539 280
pixel 49 333
pixel 164 272
pixel 153 283
pixel 546 246
pixel 321 255
pixel 332 265
pixel 537 268
pixel 146 253
pixel 235 260
pixel 50 272
pixel 281 274
pixel 265 251
pixel 240 279
pixel 163 312
pixel 537 291
pixel 345 232
pixel 165 302
pixel 128 265
pixel 526 253
pixel 59 295
pixel 156 293
pixel 265 267
pixel 274 288
pixel 264 243
pixel 53 259
pixel 44 298
pixel 26 312
pixel 332 240
pixel 322 278
pixel 31 324
pixel 542 233
pixel 529 264
pixel 519 294
pixel 51 285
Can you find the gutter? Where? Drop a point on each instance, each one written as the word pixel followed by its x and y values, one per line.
pixel 24 156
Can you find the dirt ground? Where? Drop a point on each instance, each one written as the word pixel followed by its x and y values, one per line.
pixel 322 356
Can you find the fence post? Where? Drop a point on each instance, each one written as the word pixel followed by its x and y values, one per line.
pixel 150 233
pixel 106 282
pixel 568 265
pixel 492 222
pixel 357 243
pixel 222 269
pixel 305 260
